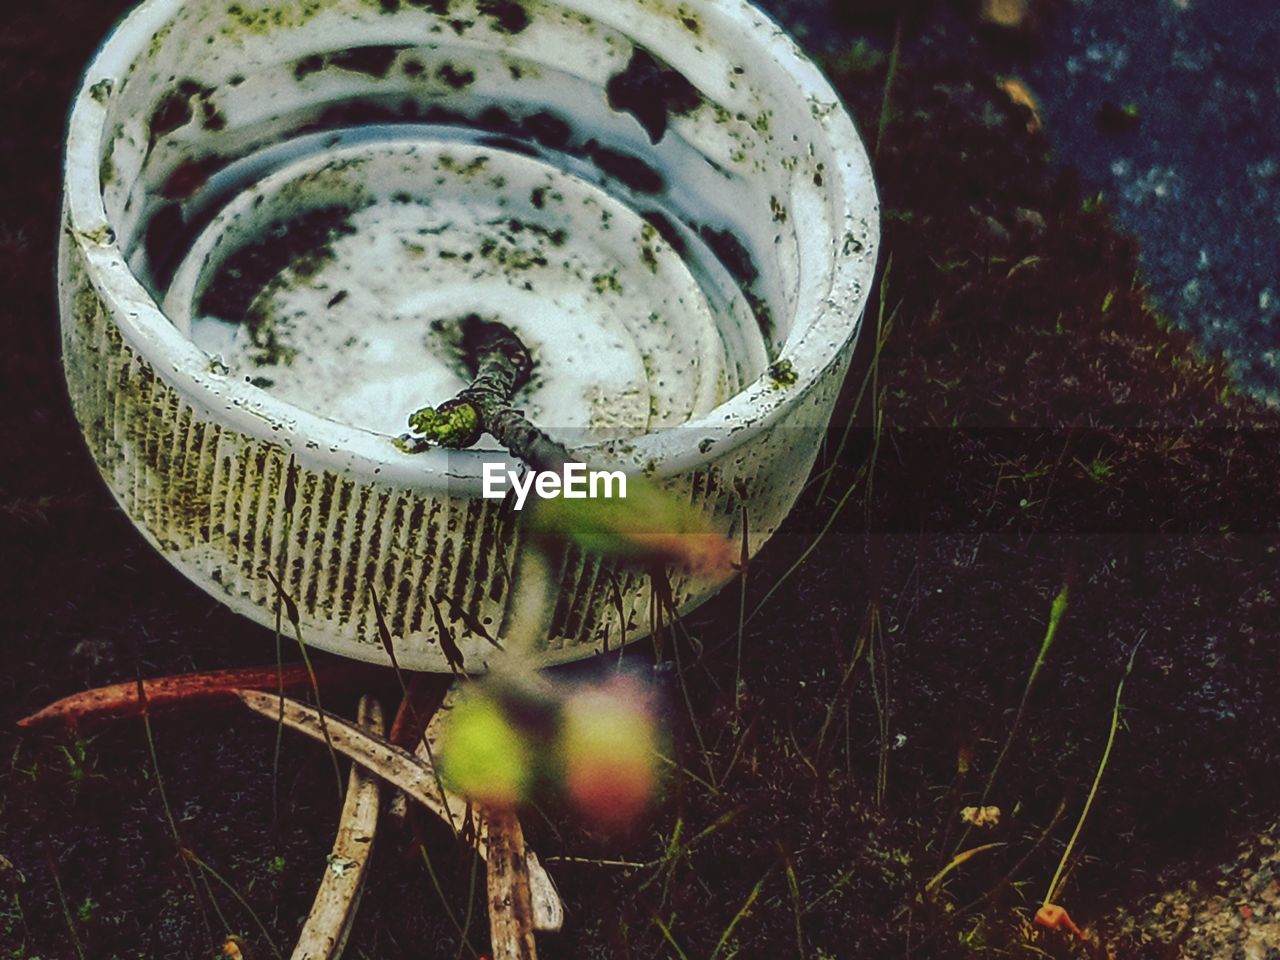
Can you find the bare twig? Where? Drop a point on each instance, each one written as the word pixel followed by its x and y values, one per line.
pixel 502 366
pixel 422 698
pixel 324 936
pixel 510 903
pixel 412 775
pixel 122 701
pixel 548 911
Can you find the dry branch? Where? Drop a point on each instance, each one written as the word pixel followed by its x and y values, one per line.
pixel 324 936
pixel 414 776
pixel 548 910
pixel 510 904
pixel 195 690
pixel 422 698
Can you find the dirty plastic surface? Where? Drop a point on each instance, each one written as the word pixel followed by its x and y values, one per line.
pixel 364 326
pixel 278 214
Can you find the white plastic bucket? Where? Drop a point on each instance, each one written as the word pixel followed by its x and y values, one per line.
pixel 667 202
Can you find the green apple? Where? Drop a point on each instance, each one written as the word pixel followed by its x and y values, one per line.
pixel 482 755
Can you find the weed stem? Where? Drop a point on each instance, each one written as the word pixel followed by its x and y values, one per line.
pixel 1097 778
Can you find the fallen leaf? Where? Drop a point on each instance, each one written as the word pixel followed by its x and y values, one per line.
pixel 981 816
pixel 1055 917
pixel 1008 14
pixel 1021 94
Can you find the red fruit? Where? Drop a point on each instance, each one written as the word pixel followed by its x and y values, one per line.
pixel 608 748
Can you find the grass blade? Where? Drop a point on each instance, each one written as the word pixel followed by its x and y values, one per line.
pixel 1097 779
pixel 741 915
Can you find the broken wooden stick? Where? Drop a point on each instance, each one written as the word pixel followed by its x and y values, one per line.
pixel 424 692
pixel 122 701
pixel 412 775
pixel 511 920
pixel 324 935
pixel 422 698
pixel 547 912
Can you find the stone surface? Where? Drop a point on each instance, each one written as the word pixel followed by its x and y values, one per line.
pixel 1167 107
pixel 1232 913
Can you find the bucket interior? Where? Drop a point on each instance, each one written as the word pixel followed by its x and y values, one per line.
pixel 319 192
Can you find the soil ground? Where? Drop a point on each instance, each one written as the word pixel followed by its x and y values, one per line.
pixel 1029 422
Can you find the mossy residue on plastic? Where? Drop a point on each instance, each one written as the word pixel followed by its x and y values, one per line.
pixel 158 39
pixel 510 256
pixel 264 19
pixel 651 91
pixel 101 90
pixel 288 253
pixel 107 168
pixel 269 333
pixel 450 164
pixel 782 374
pixel 556 236
pixel 508 16
pixel 648 254
pixel 98 236
pixel 191 481
pixel 689 20
pixel 86 305
pixel 607 283
pixel 458 78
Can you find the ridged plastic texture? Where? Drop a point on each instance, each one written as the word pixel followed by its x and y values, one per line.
pixel 190 103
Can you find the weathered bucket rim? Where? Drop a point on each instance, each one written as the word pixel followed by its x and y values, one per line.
pixel 320 442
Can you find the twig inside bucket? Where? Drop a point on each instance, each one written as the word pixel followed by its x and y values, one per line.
pixel 502 365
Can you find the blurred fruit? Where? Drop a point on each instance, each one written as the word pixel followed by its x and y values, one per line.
pixel 649 525
pixel 483 756
pixel 608 748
